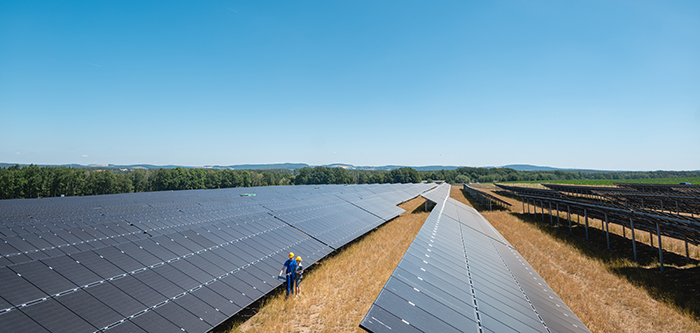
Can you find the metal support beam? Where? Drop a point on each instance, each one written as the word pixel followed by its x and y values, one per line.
pixel 528 206
pixel 534 207
pixel 551 221
pixel 661 250
pixel 634 242
pixel 687 254
pixel 586 214
pixel 607 231
pixel 651 239
pixel 568 216
pixel 558 224
pixel 542 209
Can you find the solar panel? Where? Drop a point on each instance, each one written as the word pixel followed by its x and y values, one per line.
pixel 165 261
pixel 460 275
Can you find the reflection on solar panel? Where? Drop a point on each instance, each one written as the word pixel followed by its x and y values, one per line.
pixel 170 261
pixel 461 275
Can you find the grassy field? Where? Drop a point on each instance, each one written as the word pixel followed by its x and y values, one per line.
pixel 606 289
pixel 693 180
pixel 338 291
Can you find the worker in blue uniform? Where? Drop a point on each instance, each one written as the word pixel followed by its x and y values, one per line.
pixel 290 267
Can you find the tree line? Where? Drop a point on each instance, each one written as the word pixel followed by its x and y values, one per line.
pixel 488 175
pixel 35 182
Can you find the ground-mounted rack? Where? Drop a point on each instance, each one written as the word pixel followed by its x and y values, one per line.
pixel 682 227
pixel 677 202
pixel 486 199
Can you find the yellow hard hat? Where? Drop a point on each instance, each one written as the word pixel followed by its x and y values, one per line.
pixel 298 258
pixel 291 254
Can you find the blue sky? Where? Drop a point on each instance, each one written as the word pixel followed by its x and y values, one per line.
pixel 611 85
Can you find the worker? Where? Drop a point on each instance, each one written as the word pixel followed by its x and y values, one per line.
pixel 299 275
pixel 290 267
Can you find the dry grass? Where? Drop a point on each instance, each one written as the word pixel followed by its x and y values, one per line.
pixel 607 291
pixel 337 293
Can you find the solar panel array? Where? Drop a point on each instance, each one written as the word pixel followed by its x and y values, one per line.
pixel 461 275
pixel 169 261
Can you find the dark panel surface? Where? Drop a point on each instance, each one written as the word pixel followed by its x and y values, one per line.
pixel 171 259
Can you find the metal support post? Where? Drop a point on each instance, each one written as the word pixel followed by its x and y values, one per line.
pixel 528 206
pixel 551 221
pixel 568 216
pixel 634 242
pixel 651 239
pixel 661 250
pixel 542 209
pixel 607 231
pixel 558 224
pixel 586 214
pixel 687 254
pixel 534 207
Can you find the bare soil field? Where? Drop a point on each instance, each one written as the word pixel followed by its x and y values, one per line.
pixel 606 289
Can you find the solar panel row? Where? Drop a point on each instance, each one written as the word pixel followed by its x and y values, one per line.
pixel 461 275
pixel 168 261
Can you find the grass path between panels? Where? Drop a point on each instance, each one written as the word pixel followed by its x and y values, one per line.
pixel 603 300
pixel 337 293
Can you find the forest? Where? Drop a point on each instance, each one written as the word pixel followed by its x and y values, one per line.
pixel 49 181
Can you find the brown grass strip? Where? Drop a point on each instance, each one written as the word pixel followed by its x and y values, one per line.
pixel 338 292
pixel 608 292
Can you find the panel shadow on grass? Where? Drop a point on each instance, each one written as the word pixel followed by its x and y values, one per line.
pixel 678 285
pixel 477 205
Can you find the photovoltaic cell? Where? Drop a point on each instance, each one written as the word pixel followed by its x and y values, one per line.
pixel 126 327
pixel 182 318
pixel 151 321
pixel 139 291
pixel 17 321
pixel 115 299
pixel 89 308
pixel 56 317
pixel 165 261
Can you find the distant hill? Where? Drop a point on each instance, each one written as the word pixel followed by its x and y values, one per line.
pixel 264 166
pixel 528 167
pixel 292 166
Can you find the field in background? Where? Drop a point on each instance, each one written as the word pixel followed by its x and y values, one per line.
pixel 692 180
pixel 338 291
pixel 606 289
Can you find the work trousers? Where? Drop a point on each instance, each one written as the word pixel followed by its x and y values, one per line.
pixel 290 283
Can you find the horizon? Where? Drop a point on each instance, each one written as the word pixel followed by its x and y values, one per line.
pixel 205 166
pixel 602 85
